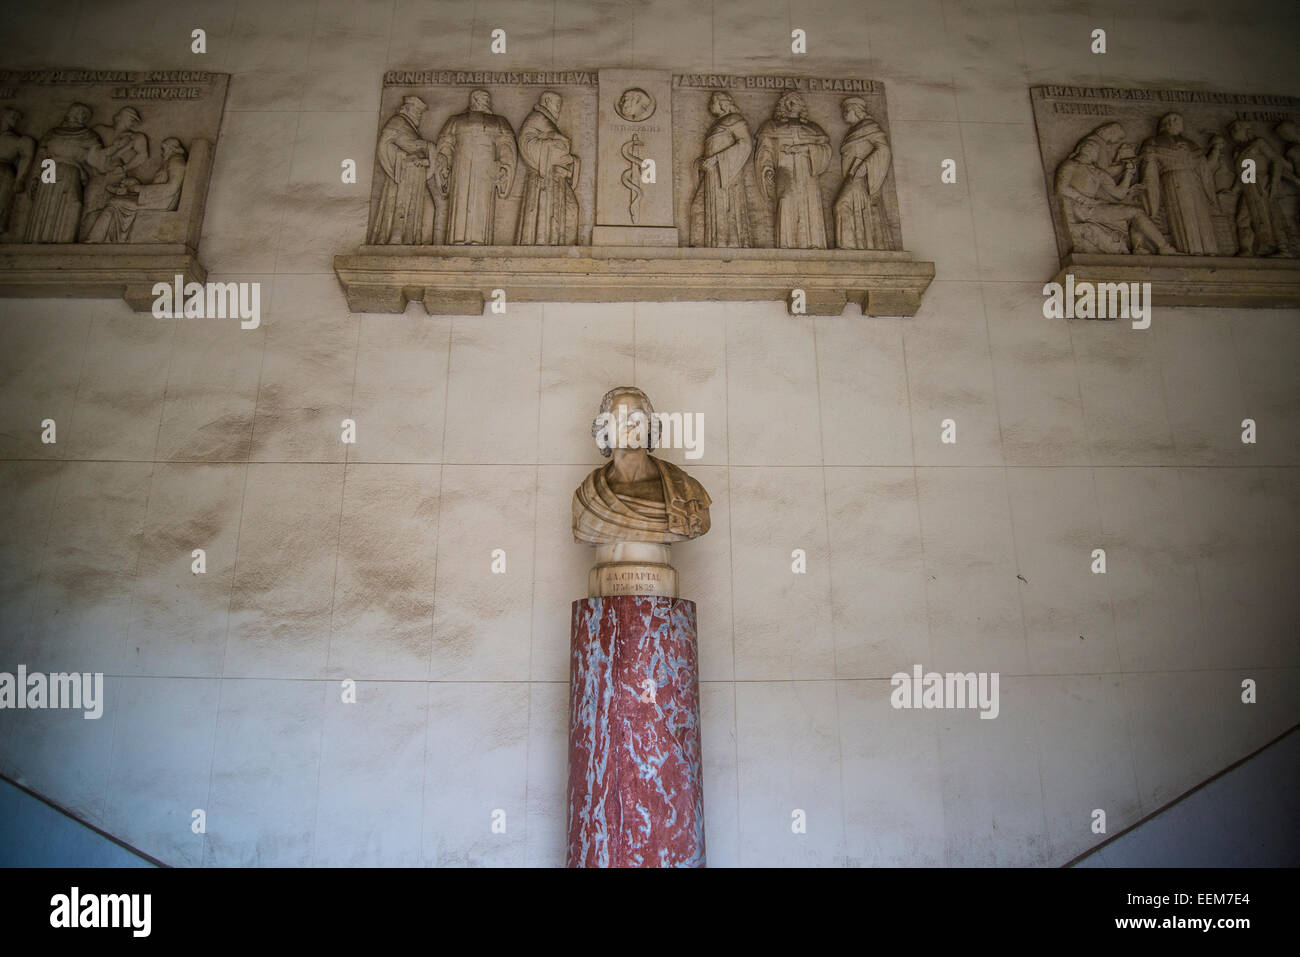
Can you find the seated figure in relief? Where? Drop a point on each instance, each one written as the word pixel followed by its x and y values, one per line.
pixel 1101 213
pixel 113 223
pixel 636 497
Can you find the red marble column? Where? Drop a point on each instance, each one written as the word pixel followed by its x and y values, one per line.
pixel 636 796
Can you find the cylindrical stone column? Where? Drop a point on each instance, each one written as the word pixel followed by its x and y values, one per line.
pixel 636 796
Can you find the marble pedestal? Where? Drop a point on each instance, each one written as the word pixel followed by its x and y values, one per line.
pixel 636 795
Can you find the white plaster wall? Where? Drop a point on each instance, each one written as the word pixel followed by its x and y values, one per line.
pixel 371 562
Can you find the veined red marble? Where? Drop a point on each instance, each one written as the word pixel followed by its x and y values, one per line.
pixel 636 795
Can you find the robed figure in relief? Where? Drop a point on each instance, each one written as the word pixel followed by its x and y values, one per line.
pixel 1177 174
pixel 792 153
pixel 474 163
pixel 720 208
pixel 860 219
pixel 404 158
pixel 56 206
pixel 549 213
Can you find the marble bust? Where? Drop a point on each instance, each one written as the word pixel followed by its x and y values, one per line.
pixel 635 497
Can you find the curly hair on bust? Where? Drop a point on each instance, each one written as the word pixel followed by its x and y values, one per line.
pixel 607 407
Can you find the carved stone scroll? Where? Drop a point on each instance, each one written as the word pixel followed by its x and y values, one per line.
pixel 1197 193
pixel 103 179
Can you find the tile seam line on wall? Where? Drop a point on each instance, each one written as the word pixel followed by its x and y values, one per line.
pixel 557 681
pixel 734 730
pixel 925 576
pixel 1182 797
pixel 130 609
pixel 537 482
pixel 1015 552
pixel 699 464
pixel 830 585
pixel 334 590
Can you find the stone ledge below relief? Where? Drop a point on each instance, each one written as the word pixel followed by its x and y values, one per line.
pixel 65 271
pixel 453 280
pixel 1218 281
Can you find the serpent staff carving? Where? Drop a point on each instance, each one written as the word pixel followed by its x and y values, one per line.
pixel 631 174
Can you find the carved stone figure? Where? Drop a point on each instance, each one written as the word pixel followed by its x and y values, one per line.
pixel 56 207
pixel 1261 223
pixel 1099 212
pixel 405 157
pixel 636 497
pixel 792 152
pixel 549 214
pixel 720 208
pixel 16 153
pixel 1177 175
pixel 860 220
pixel 474 162
pixel 1289 133
pixel 125 150
pixel 113 223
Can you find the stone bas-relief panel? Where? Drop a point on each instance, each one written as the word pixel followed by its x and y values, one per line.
pixel 618 185
pixel 788 162
pixel 488 159
pixel 103 179
pixel 1196 193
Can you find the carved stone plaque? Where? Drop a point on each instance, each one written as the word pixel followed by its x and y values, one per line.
pixel 1197 193
pixel 616 185
pixel 103 179
pixel 634 205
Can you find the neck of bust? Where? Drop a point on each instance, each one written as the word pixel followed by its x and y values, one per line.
pixel 632 465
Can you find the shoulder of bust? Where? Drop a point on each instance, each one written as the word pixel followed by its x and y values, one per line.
pixel 680 475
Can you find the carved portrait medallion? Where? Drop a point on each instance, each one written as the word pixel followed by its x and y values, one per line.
pixel 635 105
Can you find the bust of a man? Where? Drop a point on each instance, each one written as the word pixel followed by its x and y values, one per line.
pixel 636 497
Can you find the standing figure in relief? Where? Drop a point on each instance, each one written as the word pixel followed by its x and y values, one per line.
pixel 792 152
pixel 549 214
pixel 125 150
pixel 860 220
pixel 474 162
pixel 1100 213
pixel 56 207
pixel 1177 175
pixel 1261 225
pixel 720 213
pixel 16 152
pixel 404 158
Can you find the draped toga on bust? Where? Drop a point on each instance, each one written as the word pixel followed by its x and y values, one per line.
pixel 602 516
